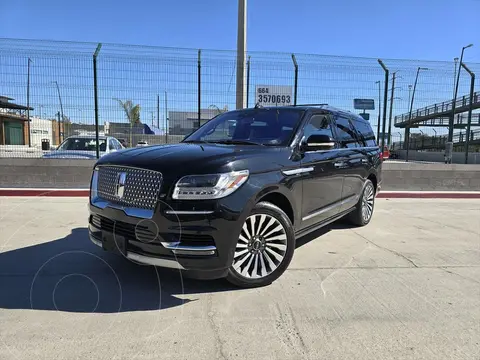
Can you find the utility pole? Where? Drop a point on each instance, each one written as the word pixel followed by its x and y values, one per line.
pixel 241 49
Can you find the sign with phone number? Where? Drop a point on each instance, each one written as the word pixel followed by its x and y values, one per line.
pixel 273 95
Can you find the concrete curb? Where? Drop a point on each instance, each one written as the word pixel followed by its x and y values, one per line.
pixel 382 194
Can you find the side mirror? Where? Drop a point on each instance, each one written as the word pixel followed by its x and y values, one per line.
pixel 318 142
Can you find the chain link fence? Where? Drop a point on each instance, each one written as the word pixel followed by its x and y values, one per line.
pixel 155 95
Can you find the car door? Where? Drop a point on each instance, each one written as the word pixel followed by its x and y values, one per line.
pixel 351 164
pixel 322 187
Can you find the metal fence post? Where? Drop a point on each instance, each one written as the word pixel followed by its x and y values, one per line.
pixel 469 121
pixel 391 111
pixel 248 78
pixel 158 111
pixel 95 94
pixel 296 79
pixel 59 128
pixel 166 118
pixel 28 103
pixel 199 85
pixel 385 99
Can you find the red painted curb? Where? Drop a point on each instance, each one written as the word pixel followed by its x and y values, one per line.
pixel 382 194
pixel 44 192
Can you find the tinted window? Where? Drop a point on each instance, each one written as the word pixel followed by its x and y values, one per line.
pixel 318 125
pixel 263 126
pixel 365 132
pixel 345 133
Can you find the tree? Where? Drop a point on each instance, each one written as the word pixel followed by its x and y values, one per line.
pixel 219 111
pixel 132 112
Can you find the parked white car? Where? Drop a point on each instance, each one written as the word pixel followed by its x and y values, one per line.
pixel 84 147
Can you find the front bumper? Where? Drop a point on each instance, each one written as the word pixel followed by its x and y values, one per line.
pixel 195 236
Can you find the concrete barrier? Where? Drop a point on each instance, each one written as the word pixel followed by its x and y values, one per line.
pixel 75 174
pixel 438 156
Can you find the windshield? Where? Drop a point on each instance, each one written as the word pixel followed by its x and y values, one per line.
pixel 82 144
pixel 252 126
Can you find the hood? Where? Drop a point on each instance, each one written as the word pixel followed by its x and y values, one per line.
pixel 71 154
pixel 187 158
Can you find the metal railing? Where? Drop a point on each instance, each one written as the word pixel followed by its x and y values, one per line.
pixel 439 108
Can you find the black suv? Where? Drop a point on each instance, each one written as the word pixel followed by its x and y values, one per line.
pixel 232 197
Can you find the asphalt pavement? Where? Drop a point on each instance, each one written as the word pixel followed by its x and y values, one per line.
pixel 407 286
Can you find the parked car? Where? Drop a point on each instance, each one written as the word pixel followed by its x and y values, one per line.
pixel 84 147
pixel 231 199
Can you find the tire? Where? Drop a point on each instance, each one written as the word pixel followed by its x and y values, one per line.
pixel 363 212
pixel 264 247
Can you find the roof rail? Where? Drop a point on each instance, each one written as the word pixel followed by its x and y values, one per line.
pixel 311 105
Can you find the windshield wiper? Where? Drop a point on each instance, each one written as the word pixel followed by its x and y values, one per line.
pixel 235 142
pixel 196 141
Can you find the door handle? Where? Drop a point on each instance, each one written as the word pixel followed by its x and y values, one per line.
pixel 364 161
pixel 339 164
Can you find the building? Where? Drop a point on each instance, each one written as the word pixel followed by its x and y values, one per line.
pixel 184 122
pixel 13 123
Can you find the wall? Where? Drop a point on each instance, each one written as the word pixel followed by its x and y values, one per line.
pixel 63 173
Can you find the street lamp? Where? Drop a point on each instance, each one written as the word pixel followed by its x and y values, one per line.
pixel 407 128
pixel 454 104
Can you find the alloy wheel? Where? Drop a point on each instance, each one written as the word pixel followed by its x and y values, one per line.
pixel 367 202
pixel 261 247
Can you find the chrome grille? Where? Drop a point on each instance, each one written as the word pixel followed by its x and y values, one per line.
pixel 141 187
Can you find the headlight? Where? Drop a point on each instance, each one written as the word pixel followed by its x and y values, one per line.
pixel 94 185
pixel 204 187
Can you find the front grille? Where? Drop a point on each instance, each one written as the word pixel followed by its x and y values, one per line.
pixel 141 187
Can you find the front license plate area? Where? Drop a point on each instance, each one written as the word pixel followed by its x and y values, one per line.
pixel 115 243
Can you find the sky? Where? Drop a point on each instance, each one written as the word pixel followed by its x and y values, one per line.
pixel 408 29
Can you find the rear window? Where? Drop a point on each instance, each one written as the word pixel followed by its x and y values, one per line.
pixel 365 132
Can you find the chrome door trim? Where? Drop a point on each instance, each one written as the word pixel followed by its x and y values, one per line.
pixel 298 171
pixel 351 198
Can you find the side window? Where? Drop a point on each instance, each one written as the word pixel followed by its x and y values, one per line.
pixel 345 133
pixel 111 145
pixel 365 132
pixel 318 125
